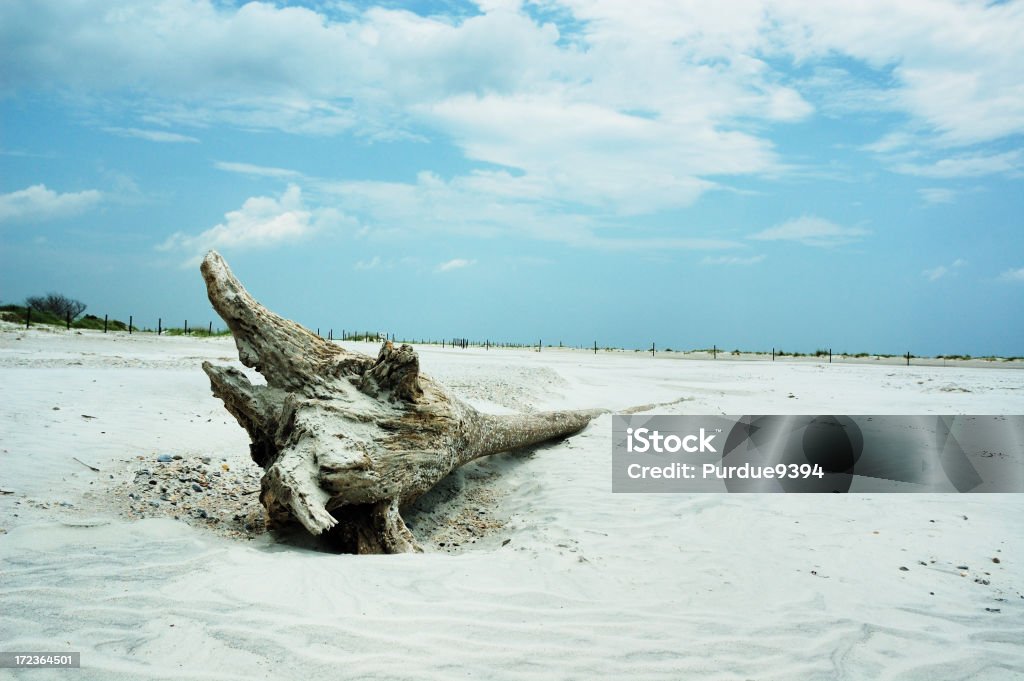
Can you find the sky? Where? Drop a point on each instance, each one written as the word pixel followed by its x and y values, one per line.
pixel 750 174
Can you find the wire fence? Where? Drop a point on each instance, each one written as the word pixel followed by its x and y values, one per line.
pixel 825 355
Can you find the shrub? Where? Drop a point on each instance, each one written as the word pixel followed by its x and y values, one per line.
pixel 58 305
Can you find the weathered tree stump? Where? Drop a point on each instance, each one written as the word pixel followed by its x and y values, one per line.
pixel 347 440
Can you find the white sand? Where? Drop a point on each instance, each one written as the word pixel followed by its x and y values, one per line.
pixel 591 585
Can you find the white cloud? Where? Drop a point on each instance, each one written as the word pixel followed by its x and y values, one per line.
pixel 632 123
pixel 629 108
pixel 261 222
pixel 1013 275
pixel 152 135
pixel 936 273
pixel 487 206
pixel 951 65
pixel 937 194
pixel 732 260
pixel 892 141
pixel 968 165
pixel 363 265
pixel 37 203
pixel 454 264
pixel 812 231
pixel 250 169
pixel 592 154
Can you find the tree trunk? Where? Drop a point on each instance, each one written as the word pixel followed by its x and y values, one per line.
pixel 346 440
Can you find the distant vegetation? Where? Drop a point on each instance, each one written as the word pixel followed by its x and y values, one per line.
pixel 56 304
pixel 18 314
pixel 53 309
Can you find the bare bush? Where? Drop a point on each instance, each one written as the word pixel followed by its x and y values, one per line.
pixel 57 305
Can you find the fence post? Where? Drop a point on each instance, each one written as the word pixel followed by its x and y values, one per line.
pixel 908 357
pixel 28 315
pixel 186 327
pixel 104 323
pixel 830 355
pixel 131 321
pixel 159 326
pixel 714 352
pixel 68 320
pixel 595 347
pixel 209 330
pixel 652 348
pixel 773 354
pixel 540 344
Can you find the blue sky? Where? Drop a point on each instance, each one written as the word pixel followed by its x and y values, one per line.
pixel 747 174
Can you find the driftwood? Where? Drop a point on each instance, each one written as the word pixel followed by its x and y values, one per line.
pixel 347 440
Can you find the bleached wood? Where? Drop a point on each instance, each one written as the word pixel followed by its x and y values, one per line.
pixel 347 440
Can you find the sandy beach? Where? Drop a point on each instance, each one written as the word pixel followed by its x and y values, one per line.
pixel 639 227
pixel 533 570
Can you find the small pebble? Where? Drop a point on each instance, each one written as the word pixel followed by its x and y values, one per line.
pixel 164 458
